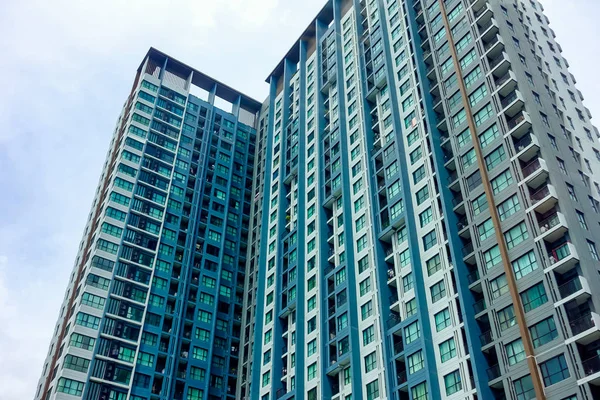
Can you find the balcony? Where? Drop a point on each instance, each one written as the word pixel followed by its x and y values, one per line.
pixel 506 83
pixel 479 306
pixel 486 338
pixel 527 147
pixel 543 199
pixel 493 372
pixel 552 227
pixel 499 65
pixel 468 252
pixel 494 47
pixel 488 29
pixel 512 104
pixel 562 258
pixel 483 15
pixel 577 288
pixel 519 125
pixel 591 371
pixel 535 173
pixel 585 329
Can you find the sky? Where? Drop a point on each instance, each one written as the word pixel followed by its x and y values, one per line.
pixel 67 68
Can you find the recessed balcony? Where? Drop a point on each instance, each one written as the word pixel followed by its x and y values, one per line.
pixel 488 29
pixel 543 199
pixel 483 15
pixel 585 329
pixel 562 258
pixel 552 227
pixel 535 173
pixel 494 47
pixel 527 147
pixel 512 104
pixel 506 83
pixel 499 65
pixel 591 371
pixel 577 288
pixel 519 125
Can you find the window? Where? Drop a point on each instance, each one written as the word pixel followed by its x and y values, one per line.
pixel 499 286
pixel 524 265
pixel 371 362
pixel 508 207
pixel 82 341
pixel 429 240
pixel 473 76
pixel 442 320
pixel 515 352
pixel 438 291
pixel 415 362
pixel 425 217
pixel 373 390
pixel 492 257
pixel 434 264
pixel 516 235
pixel 506 317
pixel 87 320
pixel 477 95
pixel 486 229
pixel 534 297
pixel 592 249
pixel 447 350
pixel 524 388
pixel 76 363
pixel 91 300
pixel 501 182
pixel 452 383
pixel 480 204
pixel 70 386
pixel 412 332
pixel 419 392
pixel 543 332
pixel 366 310
pixel 368 335
pixel 484 114
pixel 312 371
pixel 554 370
pixel 495 158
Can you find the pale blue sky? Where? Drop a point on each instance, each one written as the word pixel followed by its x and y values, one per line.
pixel 67 67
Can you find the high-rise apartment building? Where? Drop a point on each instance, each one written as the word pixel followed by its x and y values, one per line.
pixel 154 306
pixel 413 213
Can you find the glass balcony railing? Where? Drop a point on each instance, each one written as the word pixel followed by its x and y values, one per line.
pixel 531 167
pixel 572 286
pixel 559 253
pixel 582 324
pixel 479 306
pixel 591 365
pixel 493 372
pixel 549 222
pixel 540 194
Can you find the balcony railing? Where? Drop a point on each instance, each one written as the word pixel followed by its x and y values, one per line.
pixel 515 121
pixel 540 194
pixel 479 306
pixel 486 26
pixel 473 277
pixel 549 222
pixel 496 61
pixel 559 253
pixel 523 142
pixel 582 324
pixel 500 81
pixel 486 338
pixel 468 249
pixel 398 347
pixel 493 372
pixel 591 365
pixel 401 377
pixel 567 289
pixel 531 167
